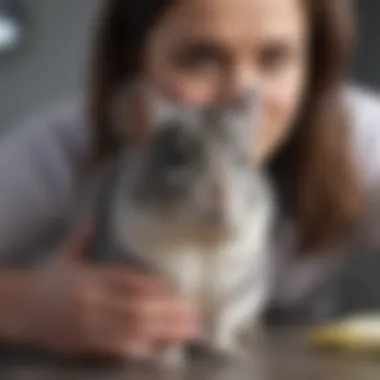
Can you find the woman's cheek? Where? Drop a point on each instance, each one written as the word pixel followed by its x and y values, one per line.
pixel 187 90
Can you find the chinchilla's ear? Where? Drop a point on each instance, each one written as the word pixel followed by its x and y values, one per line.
pixel 245 119
pixel 138 109
pixel 238 120
pixel 160 108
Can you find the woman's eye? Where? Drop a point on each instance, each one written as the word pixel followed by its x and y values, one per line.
pixel 274 58
pixel 197 60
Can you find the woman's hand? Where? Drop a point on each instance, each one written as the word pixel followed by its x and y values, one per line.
pixel 81 310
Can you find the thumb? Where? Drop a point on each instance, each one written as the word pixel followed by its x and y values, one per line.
pixel 79 244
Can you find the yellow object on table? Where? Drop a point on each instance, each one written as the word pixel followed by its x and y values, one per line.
pixel 357 333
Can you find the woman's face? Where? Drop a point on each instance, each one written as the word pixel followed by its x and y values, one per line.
pixel 206 51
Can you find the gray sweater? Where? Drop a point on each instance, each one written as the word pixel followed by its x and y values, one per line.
pixel 43 162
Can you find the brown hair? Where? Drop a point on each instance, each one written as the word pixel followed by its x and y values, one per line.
pixel 313 170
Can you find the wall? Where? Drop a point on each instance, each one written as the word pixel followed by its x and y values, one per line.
pixel 50 65
pixel 367 63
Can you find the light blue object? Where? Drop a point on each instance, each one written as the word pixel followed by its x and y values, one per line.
pixel 11 27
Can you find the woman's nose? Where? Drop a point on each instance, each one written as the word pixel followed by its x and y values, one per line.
pixel 239 82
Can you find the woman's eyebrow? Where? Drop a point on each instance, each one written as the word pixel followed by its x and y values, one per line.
pixel 201 42
pixel 201 46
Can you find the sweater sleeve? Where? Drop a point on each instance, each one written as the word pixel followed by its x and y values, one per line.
pixel 365 112
pixel 359 288
pixel 41 164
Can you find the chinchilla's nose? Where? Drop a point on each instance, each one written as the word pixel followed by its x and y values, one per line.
pixel 176 149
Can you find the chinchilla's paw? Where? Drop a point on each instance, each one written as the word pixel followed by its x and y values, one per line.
pixel 215 350
pixel 173 358
pixel 229 345
pixel 171 364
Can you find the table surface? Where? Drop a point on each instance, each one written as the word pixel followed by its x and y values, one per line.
pixel 276 356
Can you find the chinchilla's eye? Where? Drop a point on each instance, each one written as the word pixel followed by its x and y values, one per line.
pixel 175 148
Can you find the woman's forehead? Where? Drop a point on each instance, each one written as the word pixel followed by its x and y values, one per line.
pixel 234 18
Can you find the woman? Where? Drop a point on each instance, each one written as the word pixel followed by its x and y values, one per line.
pixel 314 136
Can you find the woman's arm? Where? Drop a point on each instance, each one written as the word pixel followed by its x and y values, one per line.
pixel 41 167
pixel 65 305
pixel 14 286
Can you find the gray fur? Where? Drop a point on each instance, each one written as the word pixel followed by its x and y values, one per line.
pixel 161 202
pixel 216 142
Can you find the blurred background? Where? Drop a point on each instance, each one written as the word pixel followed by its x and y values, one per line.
pixel 49 64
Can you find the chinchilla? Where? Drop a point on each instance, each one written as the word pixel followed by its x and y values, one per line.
pixel 189 203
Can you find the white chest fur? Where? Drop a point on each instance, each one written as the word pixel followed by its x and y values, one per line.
pixel 227 278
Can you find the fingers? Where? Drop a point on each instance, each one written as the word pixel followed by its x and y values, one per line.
pixel 140 327
pixel 129 282
pixel 122 331
pixel 181 322
pixel 121 312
